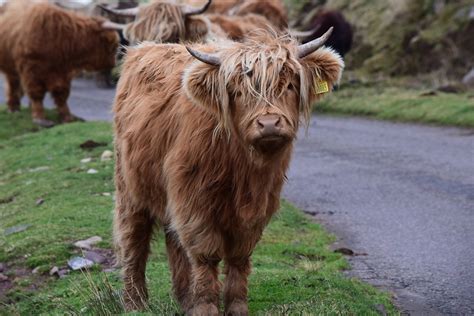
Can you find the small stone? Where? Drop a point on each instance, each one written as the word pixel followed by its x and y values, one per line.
pixel 78 263
pixel 36 270
pixel 92 171
pixel 38 169
pixel 39 201
pixel 54 271
pixel 106 155
pixel 86 160
pixel 2 267
pixel 16 229
pixel 3 277
pixel 88 243
pixel 94 256
pixel 62 273
pixel 106 194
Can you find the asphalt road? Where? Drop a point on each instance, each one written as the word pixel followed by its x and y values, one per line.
pixel 401 195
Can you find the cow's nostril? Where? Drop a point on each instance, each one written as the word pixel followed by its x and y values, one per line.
pixel 278 122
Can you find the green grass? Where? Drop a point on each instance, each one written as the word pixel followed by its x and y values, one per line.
pixel 401 104
pixel 14 124
pixel 294 272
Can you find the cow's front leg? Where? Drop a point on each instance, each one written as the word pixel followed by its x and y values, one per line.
pixel 237 270
pixel 206 286
pixel 13 92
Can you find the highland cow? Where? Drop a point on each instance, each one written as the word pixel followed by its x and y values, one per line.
pixel 164 22
pixel 203 139
pixel 42 47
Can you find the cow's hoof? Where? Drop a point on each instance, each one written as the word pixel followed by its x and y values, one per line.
pixel 72 118
pixel 43 122
pixel 204 310
pixel 237 309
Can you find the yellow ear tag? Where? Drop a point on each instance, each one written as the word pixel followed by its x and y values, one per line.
pixel 321 87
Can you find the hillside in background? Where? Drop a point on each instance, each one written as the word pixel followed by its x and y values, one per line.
pixel 403 37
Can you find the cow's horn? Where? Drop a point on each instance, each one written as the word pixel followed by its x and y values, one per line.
pixel 130 12
pixel 300 34
pixel 108 25
pixel 210 59
pixel 190 10
pixel 306 49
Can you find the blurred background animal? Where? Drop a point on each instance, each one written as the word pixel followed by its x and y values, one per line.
pixel 43 46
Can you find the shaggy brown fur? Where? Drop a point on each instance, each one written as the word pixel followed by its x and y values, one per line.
pixel 191 158
pixel 165 22
pixel 42 47
pixel 217 6
pixel 240 27
pixel 273 10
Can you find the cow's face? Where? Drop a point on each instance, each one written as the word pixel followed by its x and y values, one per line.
pixel 104 42
pixel 108 45
pixel 259 91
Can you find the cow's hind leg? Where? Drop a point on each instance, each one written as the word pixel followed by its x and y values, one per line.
pixel 14 92
pixel 133 229
pixel 180 269
pixel 60 90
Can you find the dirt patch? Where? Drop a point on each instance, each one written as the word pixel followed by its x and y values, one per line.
pixel 90 144
pixel 19 278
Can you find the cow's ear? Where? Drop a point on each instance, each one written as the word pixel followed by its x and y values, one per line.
pixel 201 83
pixel 323 71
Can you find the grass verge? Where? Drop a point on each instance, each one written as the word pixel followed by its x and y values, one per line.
pixel 294 272
pixel 401 104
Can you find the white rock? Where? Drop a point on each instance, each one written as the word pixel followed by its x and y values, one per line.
pixel 88 243
pixel 106 155
pixel 86 160
pixel 78 263
pixel 92 171
pixel 54 270
pixel 38 169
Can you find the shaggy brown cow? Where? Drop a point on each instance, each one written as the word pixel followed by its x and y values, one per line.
pixel 163 21
pixel 43 46
pixel 240 27
pixel 202 146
